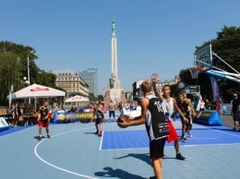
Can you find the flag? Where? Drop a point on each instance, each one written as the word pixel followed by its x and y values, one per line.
pixel 215 89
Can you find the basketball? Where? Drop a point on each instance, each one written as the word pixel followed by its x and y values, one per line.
pixel 180 85
pixel 121 119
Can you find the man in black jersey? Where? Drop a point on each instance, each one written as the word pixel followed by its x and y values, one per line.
pixel 44 117
pixel 185 106
pixel 153 117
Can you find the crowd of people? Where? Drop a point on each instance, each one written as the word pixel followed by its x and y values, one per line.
pixel 21 115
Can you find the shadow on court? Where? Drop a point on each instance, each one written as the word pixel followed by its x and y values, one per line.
pixel 142 157
pixel 90 133
pixel 116 173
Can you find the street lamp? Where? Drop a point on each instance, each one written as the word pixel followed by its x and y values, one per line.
pixel 28 69
pixel 28 72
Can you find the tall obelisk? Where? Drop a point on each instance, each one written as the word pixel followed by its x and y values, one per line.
pixel 114 81
pixel 114 93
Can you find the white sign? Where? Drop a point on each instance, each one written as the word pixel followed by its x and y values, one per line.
pixel 3 123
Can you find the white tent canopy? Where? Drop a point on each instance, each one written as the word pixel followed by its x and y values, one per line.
pixel 77 98
pixel 37 91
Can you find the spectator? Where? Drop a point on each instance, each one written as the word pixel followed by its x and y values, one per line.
pixel 120 107
pixel 202 105
pixel 111 110
pixel 219 107
pixel 236 112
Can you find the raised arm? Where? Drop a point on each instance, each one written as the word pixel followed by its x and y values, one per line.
pixel 154 80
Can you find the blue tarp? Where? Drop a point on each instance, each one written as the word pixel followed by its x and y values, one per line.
pixel 210 118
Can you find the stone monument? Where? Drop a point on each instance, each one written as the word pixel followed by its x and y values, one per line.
pixel 115 92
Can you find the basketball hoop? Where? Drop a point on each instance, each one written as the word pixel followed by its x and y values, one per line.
pixel 195 71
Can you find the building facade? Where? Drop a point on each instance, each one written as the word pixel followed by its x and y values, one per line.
pixel 73 84
pixel 90 76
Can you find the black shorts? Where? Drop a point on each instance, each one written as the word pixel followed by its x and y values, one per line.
pixel 236 117
pixel 99 120
pixel 157 148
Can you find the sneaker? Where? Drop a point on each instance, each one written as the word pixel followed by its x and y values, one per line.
pixel 100 133
pixel 48 136
pixel 184 140
pixel 39 138
pixel 180 157
pixel 96 132
pixel 189 134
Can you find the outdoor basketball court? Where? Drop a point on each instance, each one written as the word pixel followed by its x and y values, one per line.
pixel 74 151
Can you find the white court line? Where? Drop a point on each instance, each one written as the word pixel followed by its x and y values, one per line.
pixel 194 138
pixel 54 166
pixel 226 133
pixel 100 147
pixel 202 145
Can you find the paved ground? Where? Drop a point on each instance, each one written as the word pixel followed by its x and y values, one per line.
pixel 74 151
pixel 227 120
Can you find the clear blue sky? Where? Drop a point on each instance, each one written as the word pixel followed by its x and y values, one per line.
pixel 154 36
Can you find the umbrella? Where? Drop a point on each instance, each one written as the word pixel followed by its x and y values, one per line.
pixel 37 91
pixel 76 98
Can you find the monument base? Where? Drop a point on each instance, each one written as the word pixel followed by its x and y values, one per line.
pixel 116 95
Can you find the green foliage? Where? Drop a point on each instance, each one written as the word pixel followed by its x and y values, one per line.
pixel 9 74
pixel 92 97
pixel 13 69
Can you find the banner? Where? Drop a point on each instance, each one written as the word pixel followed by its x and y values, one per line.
pixel 215 89
pixel 3 124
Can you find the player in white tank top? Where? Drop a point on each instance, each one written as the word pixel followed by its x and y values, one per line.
pixel 169 105
pixel 168 108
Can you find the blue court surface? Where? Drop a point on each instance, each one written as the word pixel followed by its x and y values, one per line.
pixel 74 151
pixel 128 139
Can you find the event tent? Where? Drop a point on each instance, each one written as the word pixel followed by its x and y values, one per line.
pixel 37 91
pixel 77 98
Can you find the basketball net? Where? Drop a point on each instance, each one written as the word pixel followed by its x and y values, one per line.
pixel 195 71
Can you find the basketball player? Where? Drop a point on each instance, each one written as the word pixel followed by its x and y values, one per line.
pixel 169 106
pixel 153 117
pixel 185 106
pixel 43 119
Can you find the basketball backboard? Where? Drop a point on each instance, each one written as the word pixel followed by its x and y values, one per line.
pixel 203 57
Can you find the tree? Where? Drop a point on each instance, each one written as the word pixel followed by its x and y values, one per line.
pixel 9 74
pixel 92 97
pixel 13 69
pixel 227 46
